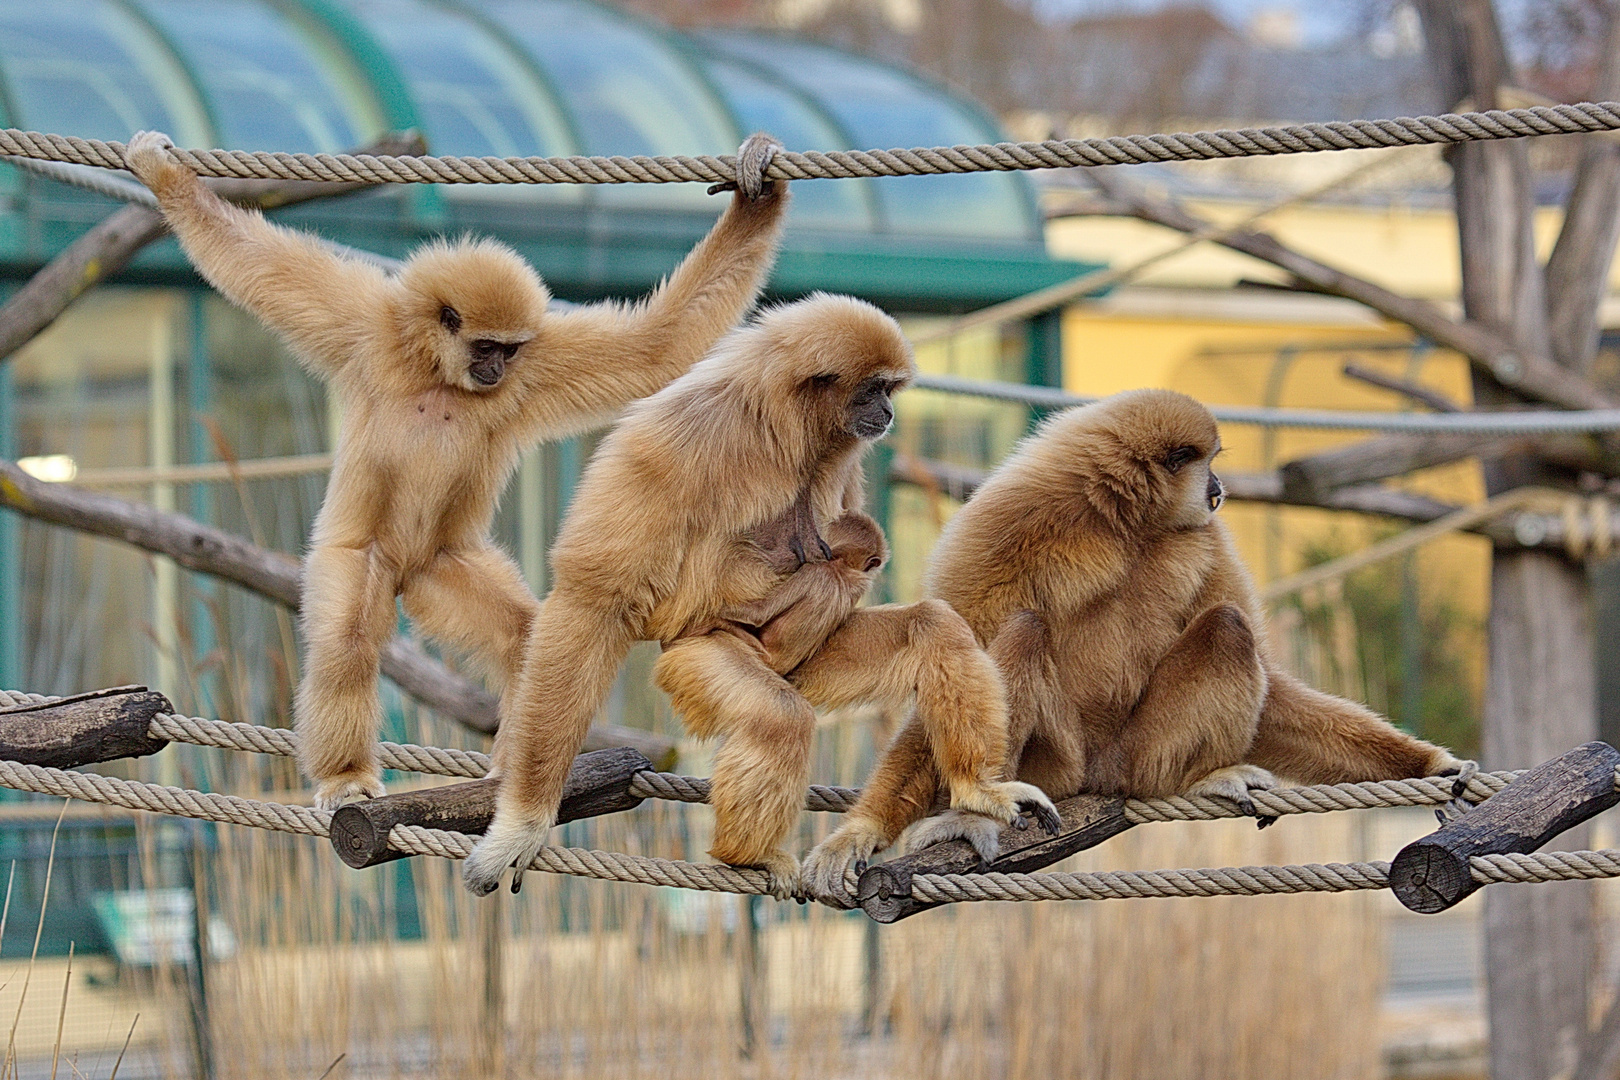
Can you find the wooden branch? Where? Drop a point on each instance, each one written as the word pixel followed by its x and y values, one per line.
pixel 272 574
pixel 1405 387
pixel 81 730
pixel 598 783
pixel 110 245
pixel 1533 375
pixel 1432 874
pixel 884 891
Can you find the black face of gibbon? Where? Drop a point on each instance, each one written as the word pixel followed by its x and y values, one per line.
pixel 486 358
pixel 870 412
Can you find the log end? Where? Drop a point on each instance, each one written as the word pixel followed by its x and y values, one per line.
pixel 1428 878
pixel 356 838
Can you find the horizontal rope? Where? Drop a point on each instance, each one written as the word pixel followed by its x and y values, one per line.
pixel 1445 129
pixel 1457 423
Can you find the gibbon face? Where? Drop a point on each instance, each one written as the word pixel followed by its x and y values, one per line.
pixel 846 358
pixel 1148 454
pixel 477 305
pixel 856 541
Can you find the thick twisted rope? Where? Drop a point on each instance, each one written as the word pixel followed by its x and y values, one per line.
pixel 999 157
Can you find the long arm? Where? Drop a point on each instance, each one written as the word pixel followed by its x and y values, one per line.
pixel 593 360
pixel 321 303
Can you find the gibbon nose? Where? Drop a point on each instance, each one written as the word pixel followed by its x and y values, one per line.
pixel 1215 492
pixel 487 372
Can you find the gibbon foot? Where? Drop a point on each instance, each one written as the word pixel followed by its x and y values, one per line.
pixel 334 791
pixel 783 870
pixel 1234 782
pixel 982 832
pixel 848 848
pixel 753 158
pixel 1005 801
pixel 147 154
pixel 506 844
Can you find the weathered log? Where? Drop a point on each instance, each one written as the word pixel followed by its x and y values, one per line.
pixel 102 725
pixel 884 892
pixel 597 784
pixel 1432 874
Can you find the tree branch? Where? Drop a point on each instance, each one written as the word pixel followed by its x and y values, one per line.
pixel 1530 374
pixel 274 575
pixel 1405 387
pixel 111 244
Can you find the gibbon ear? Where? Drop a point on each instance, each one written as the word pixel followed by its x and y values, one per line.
pixel 450 319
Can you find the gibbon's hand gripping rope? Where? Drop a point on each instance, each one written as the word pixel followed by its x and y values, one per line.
pixel 613 866
pixel 1441 130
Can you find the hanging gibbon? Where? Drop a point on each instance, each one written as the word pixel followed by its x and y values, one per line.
pixel 663 538
pixel 446 372
pixel 1129 636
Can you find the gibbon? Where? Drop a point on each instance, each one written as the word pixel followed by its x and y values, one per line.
pixel 788 625
pixel 1129 635
pixel 446 373
pixel 661 539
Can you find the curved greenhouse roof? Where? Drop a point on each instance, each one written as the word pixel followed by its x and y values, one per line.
pixel 511 78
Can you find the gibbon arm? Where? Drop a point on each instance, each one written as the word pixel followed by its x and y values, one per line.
pixel 322 304
pixel 593 360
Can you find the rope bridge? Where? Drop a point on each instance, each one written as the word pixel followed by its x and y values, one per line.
pixel 118 718
pixel 1443 130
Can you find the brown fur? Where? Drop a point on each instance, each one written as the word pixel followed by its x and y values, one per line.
pixel 1127 632
pixel 660 540
pixel 425 447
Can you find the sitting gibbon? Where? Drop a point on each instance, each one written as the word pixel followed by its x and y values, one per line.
pixel 446 373
pixel 1128 632
pixel 662 539
pixel 790 624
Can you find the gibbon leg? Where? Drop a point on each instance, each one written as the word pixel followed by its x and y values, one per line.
pixel 1197 717
pixel 572 654
pixel 348 615
pixel 719 685
pixel 1316 738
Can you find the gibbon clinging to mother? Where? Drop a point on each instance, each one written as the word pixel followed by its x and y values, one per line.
pixel 446 373
pixel 661 541
pixel 1092 566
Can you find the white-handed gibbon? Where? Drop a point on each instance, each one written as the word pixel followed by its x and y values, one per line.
pixel 1129 635
pixel 661 539
pixel 446 372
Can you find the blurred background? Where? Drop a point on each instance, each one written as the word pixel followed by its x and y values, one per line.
pixel 150 381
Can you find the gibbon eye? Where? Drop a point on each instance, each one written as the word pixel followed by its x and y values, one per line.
pixel 450 319
pixel 1180 456
pixel 821 382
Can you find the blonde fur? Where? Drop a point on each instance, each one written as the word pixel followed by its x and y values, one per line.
pixel 426 444
pixel 661 539
pixel 1127 632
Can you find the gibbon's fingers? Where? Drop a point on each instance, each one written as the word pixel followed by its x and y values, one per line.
pixel 753 158
pixel 848 848
pixel 508 844
pixel 147 156
pixel 1316 738
pixel 1234 782
pixel 982 832
pixel 903 788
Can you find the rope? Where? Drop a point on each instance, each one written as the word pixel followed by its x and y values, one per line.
pixel 1441 130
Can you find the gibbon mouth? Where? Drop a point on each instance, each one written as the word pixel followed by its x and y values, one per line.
pixel 487 372
pixel 1215 493
pixel 868 427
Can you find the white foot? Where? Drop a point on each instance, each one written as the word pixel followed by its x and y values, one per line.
pixel 848 848
pixel 334 791
pixel 506 844
pixel 1005 801
pixel 1235 782
pixel 784 873
pixel 982 832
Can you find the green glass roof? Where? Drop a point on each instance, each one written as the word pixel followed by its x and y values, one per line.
pixel 500 77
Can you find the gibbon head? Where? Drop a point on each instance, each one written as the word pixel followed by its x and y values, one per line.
pixel 841 360
pixel 857 542
pixel 1143 458
pixel 472 306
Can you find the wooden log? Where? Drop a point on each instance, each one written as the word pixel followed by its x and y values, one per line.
pixel 1432 874
pixel 884 892
pixel 597 784
pixel 83 729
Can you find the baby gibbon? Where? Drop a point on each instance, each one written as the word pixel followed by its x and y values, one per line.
pixel 792 622
pixel 661 539
pixel 446 373
pixel 1129 635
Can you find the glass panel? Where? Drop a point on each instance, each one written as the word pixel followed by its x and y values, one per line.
pixel 84 67
pixel 628 91
pixel 761 105
pixel 475 96
pixel 883 108
pixel 265 86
